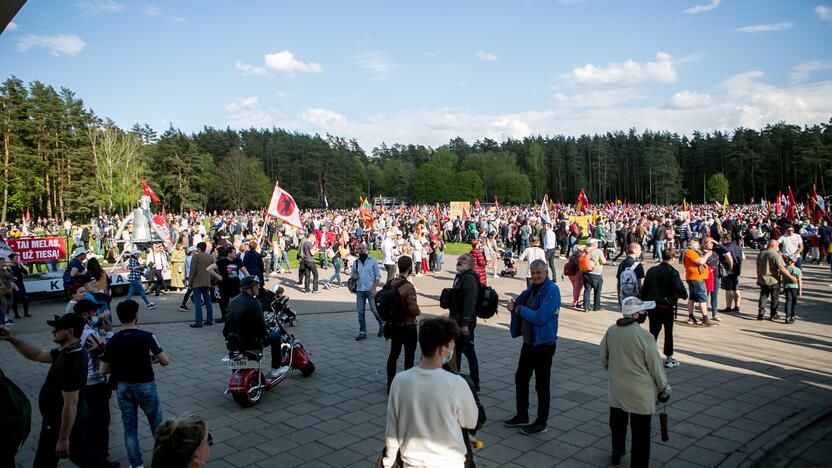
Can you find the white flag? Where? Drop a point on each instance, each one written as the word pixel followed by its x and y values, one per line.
pixel 283 207
pixel 544 212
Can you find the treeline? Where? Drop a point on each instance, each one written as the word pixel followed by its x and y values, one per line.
pixel 61 160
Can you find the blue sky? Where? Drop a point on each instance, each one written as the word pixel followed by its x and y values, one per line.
pixel 424 72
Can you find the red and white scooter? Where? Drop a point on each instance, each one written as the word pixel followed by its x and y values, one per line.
pixel 248 381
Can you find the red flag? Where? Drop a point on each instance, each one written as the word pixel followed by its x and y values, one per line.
pixel 476 202
pixel 496 205
pixel 583 202
pixel 791 207
pixel 464 215
pixel 282 206
pixel 366 213
pixel 818 206
pixel 149 192
pixel 778 204
pixel 29 218
pixel 191 212
pixel 606 206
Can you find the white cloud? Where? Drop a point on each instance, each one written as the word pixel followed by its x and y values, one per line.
pixel 602 98
pixel 97 7
pixel 689 100
pixel 286 63
pixel 246 113
pixel 824 13
pixel 487 56
pixel 156 12
pixel 12 26
pixel 801 71
pixel 57 44
pixel 506 128
pixel 323 117
pixel 691 58
pixel 626 73
pixel 247 69
pixel 703 8
pixel 765 27
pixel 378 63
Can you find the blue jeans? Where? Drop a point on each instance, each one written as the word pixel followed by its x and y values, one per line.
pixel 282 261
pixel 336 263
pixel 137 286
pixel 715 296
pixel 361 298
pixel 594 282
pixel 659 247
pixel 439 257
pixel 131 397
pixel 201 295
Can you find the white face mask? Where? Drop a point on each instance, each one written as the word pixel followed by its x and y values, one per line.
pixel 447 358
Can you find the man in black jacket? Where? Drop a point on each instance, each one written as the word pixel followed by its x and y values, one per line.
pixel 245 319
pixel 466 292
pixel 663 285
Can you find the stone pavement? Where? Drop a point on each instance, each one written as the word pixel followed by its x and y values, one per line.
pixel 744 386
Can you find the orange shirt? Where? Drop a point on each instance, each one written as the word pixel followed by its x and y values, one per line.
pixel 692 270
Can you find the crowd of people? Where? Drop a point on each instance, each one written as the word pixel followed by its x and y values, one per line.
pixel 215 257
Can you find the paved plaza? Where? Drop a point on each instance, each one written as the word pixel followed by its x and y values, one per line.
pixel 743 389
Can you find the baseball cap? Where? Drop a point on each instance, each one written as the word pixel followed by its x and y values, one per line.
pixel 66 321
pixel 191 249
pixel 79 251
pixel 248 282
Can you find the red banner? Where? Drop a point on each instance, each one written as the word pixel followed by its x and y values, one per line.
pixel 39 249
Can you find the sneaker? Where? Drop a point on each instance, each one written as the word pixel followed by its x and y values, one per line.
pixel 726 310
pixel 532 429
pixel 210 324
pixel 194 325
pixel 759 316
pixel 516 421
pixel 692 321
pixel 151 306
pixel 716 318
pixel 775 317
pixel 9 322
pixel 326 286
pixel 705 321
pixel 360 337
pixel 184 308
pixel 670 363
pixel 275 373
pixel 273 274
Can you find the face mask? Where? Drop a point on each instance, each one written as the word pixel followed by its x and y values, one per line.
pixel 362 256
pixel 447 359
pixel 642 318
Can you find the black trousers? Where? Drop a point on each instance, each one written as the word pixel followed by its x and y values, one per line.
pixel 80 451
pixel 550 259
pixel 97 398
pixel 640 425
pixel 20 298
pixel 766 292
pixel 791 301
pixel 226 294
pixel 662 316
pixel 535 360
pixel 391 271
pixel 187 296
pixel 309 268
pixel 400 335
pixel 465 347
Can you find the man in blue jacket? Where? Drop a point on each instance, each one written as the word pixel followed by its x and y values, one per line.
pixel 535 317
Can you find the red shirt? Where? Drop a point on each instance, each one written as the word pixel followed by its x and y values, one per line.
pixel 479 265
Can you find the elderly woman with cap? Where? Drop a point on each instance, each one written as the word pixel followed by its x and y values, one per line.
pixel 636 380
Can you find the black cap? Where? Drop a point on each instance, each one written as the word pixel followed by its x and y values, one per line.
pixel 66 321
pixel 248 282
pixel 84 305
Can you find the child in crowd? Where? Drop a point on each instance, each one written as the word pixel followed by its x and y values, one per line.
pixel 792 289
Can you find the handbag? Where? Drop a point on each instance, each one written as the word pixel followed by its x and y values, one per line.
pixel 352 285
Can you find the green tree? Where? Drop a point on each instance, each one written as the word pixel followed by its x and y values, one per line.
pixel 467 186
pixel 717 187
pixel 429 184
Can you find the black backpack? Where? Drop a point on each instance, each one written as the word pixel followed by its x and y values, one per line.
pixel 389 304
pixel 488 302
pixel 15 413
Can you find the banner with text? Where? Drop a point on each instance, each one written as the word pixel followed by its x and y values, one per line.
pixel 39 249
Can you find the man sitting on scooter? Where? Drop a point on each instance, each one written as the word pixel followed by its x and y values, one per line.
pixel 245 319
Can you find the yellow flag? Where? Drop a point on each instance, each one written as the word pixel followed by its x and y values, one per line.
pixel 725 200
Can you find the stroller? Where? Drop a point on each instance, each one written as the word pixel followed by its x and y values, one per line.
pixel 271 302
pixel 510 270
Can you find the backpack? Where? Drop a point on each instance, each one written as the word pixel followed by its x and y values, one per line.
pixel 585 263
pixel 488 301
pixel 628 282
pixel 570 268
pixel 389 304
pixel 15 413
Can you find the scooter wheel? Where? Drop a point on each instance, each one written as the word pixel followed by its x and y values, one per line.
pixel 250 397
pixel 308 370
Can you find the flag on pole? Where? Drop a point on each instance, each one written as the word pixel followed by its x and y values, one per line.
pixel 792 205
pixel 283 207
pixel 149 192
pixel 28 218
pixel 544 211
pixel 366 213
pixel 778 204
pixel 725 201
pixel 684 204
pixel 583 202
pixel 476 202
pixel 326 203
pixel 496 205
pixel 818 206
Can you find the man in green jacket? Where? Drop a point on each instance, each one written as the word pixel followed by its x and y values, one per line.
pixel 636 377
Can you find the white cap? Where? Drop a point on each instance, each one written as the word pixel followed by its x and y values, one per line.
pixel 591 240
pixel 79 251
pixel 191 249
pixel 631 305
pixel 135 252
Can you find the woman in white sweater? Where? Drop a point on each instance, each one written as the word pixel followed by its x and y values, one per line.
pixel 531 254
pixel 428 406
